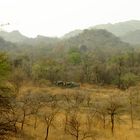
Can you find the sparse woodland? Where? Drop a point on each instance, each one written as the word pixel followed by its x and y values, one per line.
pixel 37 103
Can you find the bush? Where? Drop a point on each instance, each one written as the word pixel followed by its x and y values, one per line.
pixel 127 80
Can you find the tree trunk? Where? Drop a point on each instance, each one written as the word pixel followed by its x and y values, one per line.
pixel 112 123
pixel 66 120
pixel 23 120
pixel 47 133
pixel 35 123
pixel 104 121
pixel 77 136
pixel 15 128
pixel 131 113
pixel 119 80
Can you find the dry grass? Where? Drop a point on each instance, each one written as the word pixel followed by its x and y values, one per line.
pixel 123 130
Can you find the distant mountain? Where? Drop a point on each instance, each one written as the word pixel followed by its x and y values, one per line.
pixel 118 29
pixel 40 40
pixel 14 36
pixel 6 46
pixel 132 37
pixel 72 34
pixel 121 28
pixel 17 37
pixel 95 38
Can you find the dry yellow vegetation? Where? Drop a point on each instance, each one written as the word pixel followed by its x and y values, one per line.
pixel 122 131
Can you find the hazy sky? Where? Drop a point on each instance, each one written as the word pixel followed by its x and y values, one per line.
pixel 57 17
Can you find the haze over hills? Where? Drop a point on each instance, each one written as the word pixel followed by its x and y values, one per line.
pixel 118 29
pixel 40 40
pixel 14 36
pixel 128 31
pixel 132 37
pixel 17 37
pixel 121 28
pixel 72 33
pixel 95 38
pixel 5 45
pixel 86 41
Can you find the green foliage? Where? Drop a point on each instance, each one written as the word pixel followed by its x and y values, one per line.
pixel 128 79
pixel 17 78
pixel 47 70
pixel 4 67
pixel 75 58
pixel 74 55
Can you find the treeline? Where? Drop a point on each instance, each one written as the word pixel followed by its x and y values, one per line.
pixel 80 65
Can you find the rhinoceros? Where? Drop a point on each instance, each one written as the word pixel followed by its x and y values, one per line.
pixel 71 84
pixel 59 83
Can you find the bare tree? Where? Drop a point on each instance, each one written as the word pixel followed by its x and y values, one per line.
pixel 72 103
pixel 90 115
pixel 75 127
pixel 114 108
pixel 74 124
pixel 7 120
pixel 49 115
pixel 133 97
pixel 25 108
pixel 101 112
pixel 17 79
pixel 49 119
pixel 36 105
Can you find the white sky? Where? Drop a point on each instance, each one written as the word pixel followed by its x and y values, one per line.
pixel 57 17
